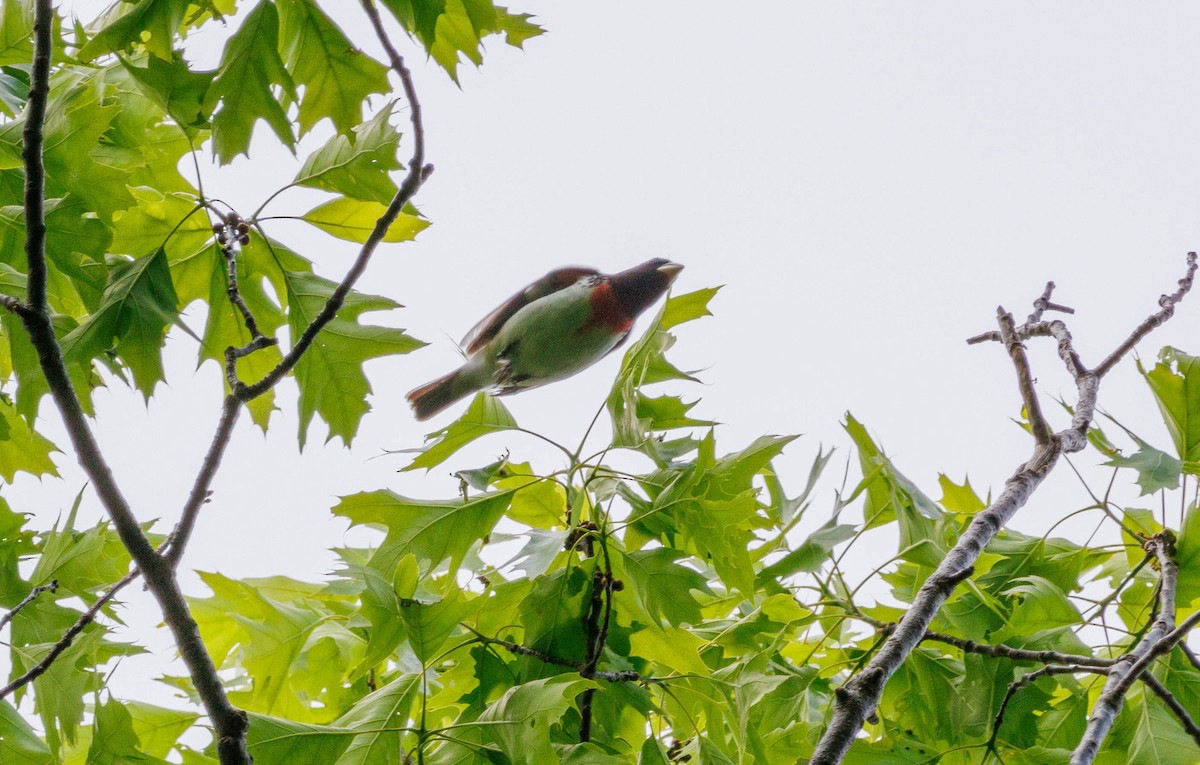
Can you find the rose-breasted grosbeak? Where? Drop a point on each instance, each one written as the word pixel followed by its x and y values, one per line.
pixel 562 323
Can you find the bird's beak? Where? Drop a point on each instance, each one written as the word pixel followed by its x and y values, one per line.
pixel 671 270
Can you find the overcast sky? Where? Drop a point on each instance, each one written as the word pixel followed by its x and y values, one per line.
pixel 868 180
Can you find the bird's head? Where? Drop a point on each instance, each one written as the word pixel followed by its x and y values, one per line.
pixel 637 288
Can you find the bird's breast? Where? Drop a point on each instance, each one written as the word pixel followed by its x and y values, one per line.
pixel 607 311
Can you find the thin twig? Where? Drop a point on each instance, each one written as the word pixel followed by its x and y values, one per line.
pixel 201 488
pixel 86 618
pixel 998 650
pixel 1029 679
pixel 1167 304
pixel 1185 718
pixel 32 596
pixel 418 172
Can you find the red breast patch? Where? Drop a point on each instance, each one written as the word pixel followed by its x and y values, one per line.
pixel 607 311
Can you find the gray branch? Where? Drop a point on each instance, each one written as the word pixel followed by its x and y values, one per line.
pixel 856 701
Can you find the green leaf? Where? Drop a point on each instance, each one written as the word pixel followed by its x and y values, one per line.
pixel 357 167
pixel 19 745
pixel 380 716
pixel 152 23
pixel 959 499
pixel 114 741
pixel 355 219
pixel 275 741
pixel 1175 382
pixel 16 33
pixel 271 630
pixel 1187 555
pixel 330 374
pixel 1040 605
pixel 158 728
pixel 645 363
pixel 430 624
pixel 177 89
pixel 82 562
pixel 812 554
pixel 450 28
pixel 1157 737
pixel 431 530
pixel 22 449
pixel 664 587
pixel 485 415
pixel 519 722
pixel 138 307
pixel 1156 469
pixel 336 76
pixel 250 68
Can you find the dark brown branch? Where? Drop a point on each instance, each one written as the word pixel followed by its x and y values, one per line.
pixel 856 701
pixel 32 596
pixel 33 136
pixel 201 488
pixel 418 172
pixel 230 724
pixel 997 650
pixel 596 632
pixel 624 676
pixel 1043 304
pixel 1137 661
pixel 1029 679
pixel 1168 698
pixel 233 232
pixel 86 618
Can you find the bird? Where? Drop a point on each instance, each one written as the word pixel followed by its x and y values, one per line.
pixel 561 324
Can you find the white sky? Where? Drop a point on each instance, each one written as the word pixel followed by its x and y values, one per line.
pixel 868 179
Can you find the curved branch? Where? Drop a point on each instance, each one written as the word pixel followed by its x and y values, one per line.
pixel 418 172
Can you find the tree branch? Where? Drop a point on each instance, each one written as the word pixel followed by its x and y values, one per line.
pixel 857 700
pixel 1029 679
pixel 32 596
pixel 1137 661
pixel 86 618
pixel 418 172
pixel 230 724
pixel 1168 698
pixel 201 488
pixel 997 650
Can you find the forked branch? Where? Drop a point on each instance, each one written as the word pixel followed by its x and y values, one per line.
pixel 857 700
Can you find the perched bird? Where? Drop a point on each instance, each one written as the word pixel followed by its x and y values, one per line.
pixel 562 323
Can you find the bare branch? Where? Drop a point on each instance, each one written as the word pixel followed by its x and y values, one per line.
pixel 418 172
pixel 32 596
pixel 33 136
pixel 1167 303
pixel 1029 679
pixel 856 701
pixel 201 488
pixel 86 618
pixel 1016 350
pixel 1137 661
pixel 230 724
pixel 997 650
pixel 1168 698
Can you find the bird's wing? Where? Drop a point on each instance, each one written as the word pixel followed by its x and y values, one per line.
pixel 483 332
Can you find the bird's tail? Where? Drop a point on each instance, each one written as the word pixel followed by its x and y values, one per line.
pixel 433 397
